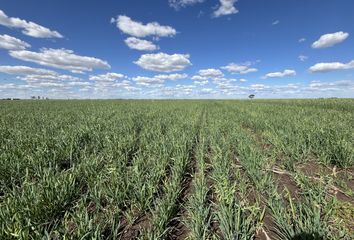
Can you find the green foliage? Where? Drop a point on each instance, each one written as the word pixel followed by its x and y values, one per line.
pixel 91 169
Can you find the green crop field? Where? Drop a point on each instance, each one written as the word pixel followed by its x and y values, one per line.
pixel 124 169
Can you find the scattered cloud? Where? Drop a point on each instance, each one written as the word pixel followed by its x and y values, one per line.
pixel 62 59
pixel 331 86
pixel 177 4
pixel 51 85
pixel 240 68
pixel 140 44
pixel 331 66
pixel 147 81
pixel 24 70
pixel 303 58
pixel 330 39
pixel 184 89
pixel 226 85
pixel 29 28
pixel 108 77
pixel 112 85
pixel 36 76
pixel 258 87
pixel 211 82
pixel 140 30
pixel 11 86
pixel 211 73
pixel 157 80
pixel 226 7
pixel 207 90
pixel 163 62
pixel 285 73
pixel 175 76
pixel 276 22
pixel 80 84
pixel 201 82
pixel 198 78
pixel 12 43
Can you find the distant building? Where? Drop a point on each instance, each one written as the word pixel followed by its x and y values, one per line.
pixel 11 99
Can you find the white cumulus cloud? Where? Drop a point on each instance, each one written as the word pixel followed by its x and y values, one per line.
pixel 226 7
pixel 285 73
pixel 331 66
pixel 147 81
pixel 330 39
pixel 62 59
pixel 162 62
pixel 140 44
pixel 240 68
pixel 138 29
pixel 29 28
pixel 211 73
pixel 12 43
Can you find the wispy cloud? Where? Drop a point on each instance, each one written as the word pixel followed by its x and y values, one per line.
pixel 276 22
pixel 303 58
pixel 177 4
pixel 285 73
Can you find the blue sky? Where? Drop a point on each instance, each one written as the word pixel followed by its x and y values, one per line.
pixel 177 48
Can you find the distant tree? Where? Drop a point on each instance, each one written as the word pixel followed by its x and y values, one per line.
pixel 251 96
pixel 33 97
pixel 39 97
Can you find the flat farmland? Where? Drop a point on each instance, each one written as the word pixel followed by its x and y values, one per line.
pixel 203 169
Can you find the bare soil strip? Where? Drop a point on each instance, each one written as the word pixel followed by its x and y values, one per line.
pixel 313 171
pixel 286 182
pixel 132 231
